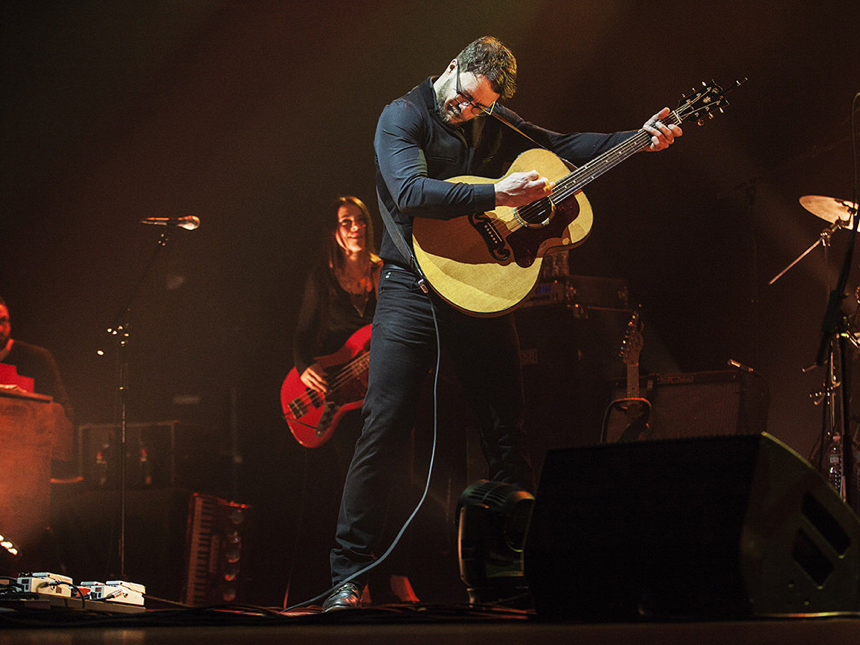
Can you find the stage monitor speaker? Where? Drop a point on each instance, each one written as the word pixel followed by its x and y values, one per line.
pixel 727 527
pixel 698 404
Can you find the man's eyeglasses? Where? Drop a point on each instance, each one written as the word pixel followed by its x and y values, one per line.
pixel 474 106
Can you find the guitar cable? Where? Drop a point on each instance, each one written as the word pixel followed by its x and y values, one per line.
pixel 426 490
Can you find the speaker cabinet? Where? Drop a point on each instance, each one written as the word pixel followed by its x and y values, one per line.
pixel 157 455
pixel 700 528
pixel 698 404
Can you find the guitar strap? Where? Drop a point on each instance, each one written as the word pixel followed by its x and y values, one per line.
pixel 517 130
pixel 524 135
pixel 400 242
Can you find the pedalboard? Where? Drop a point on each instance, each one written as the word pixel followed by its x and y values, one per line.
pixel 44 589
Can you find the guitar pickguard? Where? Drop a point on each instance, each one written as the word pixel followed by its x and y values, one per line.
pixel 329 410
pixel 526 241
pixel 494 241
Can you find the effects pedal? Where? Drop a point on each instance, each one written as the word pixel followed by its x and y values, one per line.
pixel 119 591
pixel 45 584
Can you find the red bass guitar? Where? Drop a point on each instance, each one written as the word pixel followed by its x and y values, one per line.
pixel 313 417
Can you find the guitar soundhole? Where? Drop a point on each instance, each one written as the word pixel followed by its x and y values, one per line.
pixel 537 214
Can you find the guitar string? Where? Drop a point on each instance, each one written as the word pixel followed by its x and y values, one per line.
pixel 350 370
pixel 612 158
pixel 569 185
pixel 608 160
pixel 536 211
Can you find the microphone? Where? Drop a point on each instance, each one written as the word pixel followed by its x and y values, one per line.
pixel 189 222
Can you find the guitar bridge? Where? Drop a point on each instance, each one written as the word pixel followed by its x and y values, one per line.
pixel 329 410
pixel 494 241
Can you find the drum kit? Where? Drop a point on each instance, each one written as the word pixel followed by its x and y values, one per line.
pixel 834 457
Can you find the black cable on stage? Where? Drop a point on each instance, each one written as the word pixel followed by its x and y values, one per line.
pixel 420 503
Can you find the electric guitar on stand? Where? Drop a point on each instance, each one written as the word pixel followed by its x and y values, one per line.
pixel 636 410
pixel 313 417
pixel 487 263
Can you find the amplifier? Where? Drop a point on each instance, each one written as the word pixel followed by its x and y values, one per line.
pixel 570 362
pixel 698 404
pixel 158 455
pixel 582 292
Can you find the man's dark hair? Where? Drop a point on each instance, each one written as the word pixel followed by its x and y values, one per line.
pixel 488 57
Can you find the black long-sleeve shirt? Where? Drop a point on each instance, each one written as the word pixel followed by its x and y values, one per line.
pixel 327 318
pixel 416 151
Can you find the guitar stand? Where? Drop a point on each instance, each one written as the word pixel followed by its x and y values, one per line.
pixel 635 427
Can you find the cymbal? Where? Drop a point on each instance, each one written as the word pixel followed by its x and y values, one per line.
pixel 830 209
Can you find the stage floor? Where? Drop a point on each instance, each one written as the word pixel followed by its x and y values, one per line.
pixel 416 625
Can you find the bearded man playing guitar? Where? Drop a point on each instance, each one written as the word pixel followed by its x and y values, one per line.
pixel 446 127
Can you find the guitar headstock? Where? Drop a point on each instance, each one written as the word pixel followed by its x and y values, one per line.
pixel 704 102
pixel 633 341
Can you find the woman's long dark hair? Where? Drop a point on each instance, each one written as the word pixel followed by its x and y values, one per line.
pixel 333 251
pixel 334 255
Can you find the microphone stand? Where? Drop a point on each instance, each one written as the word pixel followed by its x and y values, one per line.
pixel 120 330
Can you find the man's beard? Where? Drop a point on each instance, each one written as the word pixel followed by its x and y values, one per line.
pixel 450 116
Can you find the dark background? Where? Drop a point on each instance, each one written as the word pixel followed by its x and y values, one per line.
pixel 255 115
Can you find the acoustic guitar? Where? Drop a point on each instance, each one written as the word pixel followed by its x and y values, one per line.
pixel 487 263
pixel 312 417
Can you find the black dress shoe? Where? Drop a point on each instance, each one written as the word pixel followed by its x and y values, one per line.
pixel 346 596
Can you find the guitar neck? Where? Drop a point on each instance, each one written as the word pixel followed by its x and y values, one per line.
pixel 584 175
pixel 633 380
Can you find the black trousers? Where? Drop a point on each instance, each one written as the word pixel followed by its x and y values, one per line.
pixel 485 353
